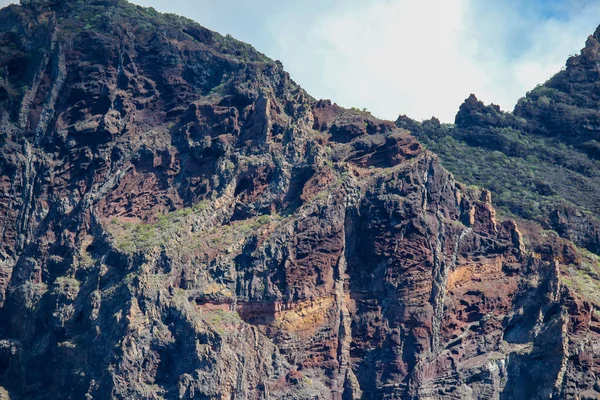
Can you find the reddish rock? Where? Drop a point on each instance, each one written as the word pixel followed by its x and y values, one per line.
pixel 181 220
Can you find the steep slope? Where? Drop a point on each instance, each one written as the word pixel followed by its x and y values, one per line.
pixel 181 220
pixel 542 162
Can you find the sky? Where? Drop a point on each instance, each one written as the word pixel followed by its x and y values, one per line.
pixel 421 58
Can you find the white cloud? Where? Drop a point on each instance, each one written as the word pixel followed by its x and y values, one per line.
pixel 424 58
pixel 388 56
pixel 518 51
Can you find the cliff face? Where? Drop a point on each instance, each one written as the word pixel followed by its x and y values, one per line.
pixel 181 220
pixel 542 161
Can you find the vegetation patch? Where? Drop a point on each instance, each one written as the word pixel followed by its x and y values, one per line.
pixel 174 230
pixel 584 277
pixel 527 175
pixel 221 320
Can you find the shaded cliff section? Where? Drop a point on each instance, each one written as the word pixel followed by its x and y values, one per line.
pixel 180 220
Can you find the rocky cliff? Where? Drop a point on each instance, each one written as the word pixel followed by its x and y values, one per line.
pixel 542 161
pixel 180 220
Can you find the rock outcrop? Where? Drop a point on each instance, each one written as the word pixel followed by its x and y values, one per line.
pixel 180 220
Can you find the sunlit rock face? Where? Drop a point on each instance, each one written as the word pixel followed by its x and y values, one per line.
pixel 180 219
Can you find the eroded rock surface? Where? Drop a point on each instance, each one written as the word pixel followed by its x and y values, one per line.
pixel 181 220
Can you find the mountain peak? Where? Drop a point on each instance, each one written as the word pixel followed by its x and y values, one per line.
pixel 181 220
pixel 44 4
pixel 473 112
pixel 41 4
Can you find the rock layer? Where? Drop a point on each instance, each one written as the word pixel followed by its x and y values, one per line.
pixel 181 220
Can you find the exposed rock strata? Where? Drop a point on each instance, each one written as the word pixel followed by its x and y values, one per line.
pixel 181 220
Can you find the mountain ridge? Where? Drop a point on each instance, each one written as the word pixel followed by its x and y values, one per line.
pixel 181 220
pixel 550 142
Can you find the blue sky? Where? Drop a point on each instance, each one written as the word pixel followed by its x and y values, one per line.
pixel 414 57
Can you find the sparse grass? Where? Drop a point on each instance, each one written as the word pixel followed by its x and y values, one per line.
pixel 584 278
pixel 522 186
pixel 220 320
pixel 86 259
pixel 173 230
pixel 227 237
pixel 146 21
pixel 324 193
pixel 131 237
pixel 67 288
